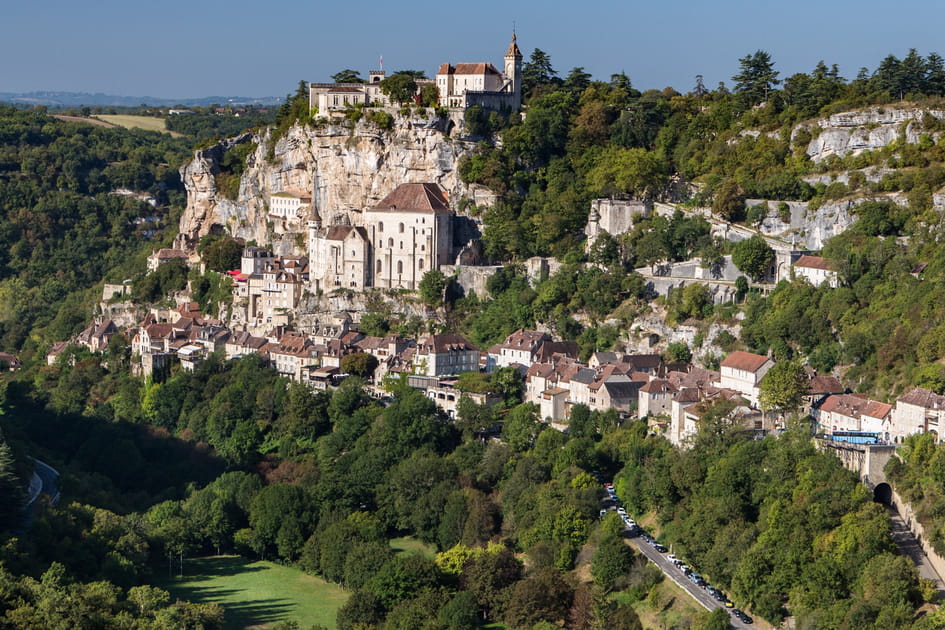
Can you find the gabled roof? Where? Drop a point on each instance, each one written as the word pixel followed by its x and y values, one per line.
pixel 425 198
pixel 813 262
pixel 658 386
pixel 925 398
pixel 824 385
pixel 745 361
pixel 854 406
pixel 483 67
pixel 445 343
pixel 341 232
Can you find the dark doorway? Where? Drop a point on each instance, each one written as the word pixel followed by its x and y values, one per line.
pixel 883 494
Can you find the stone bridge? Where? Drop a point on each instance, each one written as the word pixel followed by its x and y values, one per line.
pixel 867 461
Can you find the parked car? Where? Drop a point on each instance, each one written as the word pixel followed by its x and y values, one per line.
pixel 660 548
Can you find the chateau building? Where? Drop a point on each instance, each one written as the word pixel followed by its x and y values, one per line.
pixel 466 84
pixel 460 86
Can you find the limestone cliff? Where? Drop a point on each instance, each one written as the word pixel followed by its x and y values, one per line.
pixel 865 130
pixel 344 169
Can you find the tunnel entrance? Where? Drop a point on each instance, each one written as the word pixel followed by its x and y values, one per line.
pixel 883 494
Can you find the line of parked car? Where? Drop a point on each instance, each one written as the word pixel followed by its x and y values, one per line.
pixel 634 530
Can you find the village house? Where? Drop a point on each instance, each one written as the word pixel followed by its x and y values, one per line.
pixel 272 292
pixel 919 411
pixel 289 204
pixel 340 257
pixel 335 97
pixel 97 335
pixel 444 355
pixel 161 256
pixel 520 347
pixel 241 343
pixel 743 371
pixel 655 398
pixel 293 351
pixel 816 270
pixel 848 412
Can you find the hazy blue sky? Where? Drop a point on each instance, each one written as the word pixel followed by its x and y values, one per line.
pixel 177 48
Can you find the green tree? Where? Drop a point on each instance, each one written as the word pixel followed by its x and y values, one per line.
pixel 678 352
pixel 718 620
pixel 537 72
pixel 399 88
pixel 347 76
pixel 754 257
pixel 756 77
pixel 432 287
pixel 783 387
pixel 728 202
pixel 11 489
pixel 360 364
pixel 611 560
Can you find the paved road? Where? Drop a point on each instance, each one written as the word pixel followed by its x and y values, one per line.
pixel 669 569
pixel 910 548
pixel 44 480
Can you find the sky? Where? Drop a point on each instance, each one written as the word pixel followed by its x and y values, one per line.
pixel 197 48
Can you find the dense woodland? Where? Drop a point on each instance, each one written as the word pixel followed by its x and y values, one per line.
pixel 234 459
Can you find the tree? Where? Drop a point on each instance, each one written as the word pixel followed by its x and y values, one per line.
pixel 783 387
pixel 678 352
pixel 754 257
pixel 11 490
pixel 718 620
pixel 222 254
pixel 347 76
pixel 432 287
pixel 610 561
pixel 544 596
pixel 399 88
pixel 360 364
pixel 728 203
pixel 537 72
pixel 756 77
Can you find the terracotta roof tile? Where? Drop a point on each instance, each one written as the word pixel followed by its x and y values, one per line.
pixel 745 361
pixel 426 198
pixel 813 262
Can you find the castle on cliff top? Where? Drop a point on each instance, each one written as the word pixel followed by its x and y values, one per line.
pixel 460 86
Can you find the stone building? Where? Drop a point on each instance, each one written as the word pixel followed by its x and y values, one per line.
pixel 466 84
pixel 410 232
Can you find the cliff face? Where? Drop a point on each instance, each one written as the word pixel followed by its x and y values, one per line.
pixel 869 129
pixel 345 170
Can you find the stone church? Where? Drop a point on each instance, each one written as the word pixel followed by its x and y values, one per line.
pixel 408 233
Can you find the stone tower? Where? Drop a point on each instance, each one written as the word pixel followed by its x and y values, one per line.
pixel 513 70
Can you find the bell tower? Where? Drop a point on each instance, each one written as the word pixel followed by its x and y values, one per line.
pixel 513 71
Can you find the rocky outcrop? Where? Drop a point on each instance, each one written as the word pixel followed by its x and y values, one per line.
pixel 344 169
pixel 851 133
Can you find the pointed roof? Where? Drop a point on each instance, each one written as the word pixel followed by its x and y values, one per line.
pixel 513 50
pixel 425 198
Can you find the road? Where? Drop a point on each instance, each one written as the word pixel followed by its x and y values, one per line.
pixel 909 547
pixel 44 481
pixel 696 592
pixel 635 538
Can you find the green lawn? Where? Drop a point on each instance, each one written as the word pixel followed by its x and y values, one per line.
pixel 409 545
pixel 257 594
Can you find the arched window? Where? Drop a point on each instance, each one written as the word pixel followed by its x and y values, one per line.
pixel 390 242
pixel 400 267
pixel 378 266
pixel 380 226
pixel 420 264
pixel 401 228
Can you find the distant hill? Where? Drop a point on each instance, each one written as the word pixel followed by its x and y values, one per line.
pixel 78 99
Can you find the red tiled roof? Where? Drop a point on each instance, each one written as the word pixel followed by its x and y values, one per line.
pixel 812 262
pixel 855 406
pixel 658 386
pixel 427 198
pixel 923 398
pixel 483 67
pixel 445 343
pixel 745 361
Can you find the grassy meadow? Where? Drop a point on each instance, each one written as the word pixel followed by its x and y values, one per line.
pixel 148 123
pixel 258 594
